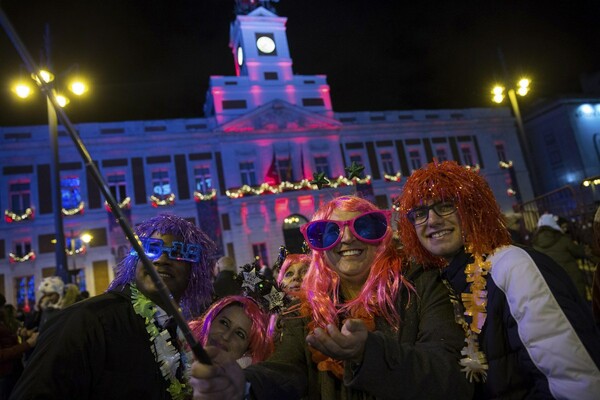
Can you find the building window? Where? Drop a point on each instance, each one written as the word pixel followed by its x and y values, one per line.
pixel 203 182
pixel 271 76
pixel 20 196
pixel 248 173
pixel 260 251
pixel 234 104
pixel 70 191
pixel 387 163
pixel 322 165
pixel 284 169
pixel 467 155
pixel 161 185
pixel 25 289
pixel 415 159
pixel 117 186
pixel 501 152
pixel 356 158
pixel 440 154
pixel 21 248
pixel 313 102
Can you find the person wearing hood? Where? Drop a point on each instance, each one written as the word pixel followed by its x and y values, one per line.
pixel 550 239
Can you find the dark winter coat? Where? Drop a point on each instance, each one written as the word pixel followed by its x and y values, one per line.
pixel 418 362
pixel 539 337
pixel 95 349
pixel 564 251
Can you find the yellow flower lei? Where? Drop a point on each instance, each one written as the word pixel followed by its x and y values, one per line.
pixel 165 354
pixel 474 363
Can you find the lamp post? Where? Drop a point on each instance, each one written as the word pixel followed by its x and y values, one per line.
pixel 85 238
pixel 521 88
pixel 23 90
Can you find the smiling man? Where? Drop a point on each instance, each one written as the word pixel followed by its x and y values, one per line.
pixel 121 344
pixel 528 334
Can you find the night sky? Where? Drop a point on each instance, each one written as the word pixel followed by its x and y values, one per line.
pixel 151 59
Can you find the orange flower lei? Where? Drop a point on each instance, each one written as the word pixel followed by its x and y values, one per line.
pixel 325 363
pixel 474 362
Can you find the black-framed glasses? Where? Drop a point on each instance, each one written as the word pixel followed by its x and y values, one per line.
pixel 420 215
pixel 179 251
pixel 324 234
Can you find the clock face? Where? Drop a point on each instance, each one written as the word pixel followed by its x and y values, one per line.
pixel 265 44
pixel 240 56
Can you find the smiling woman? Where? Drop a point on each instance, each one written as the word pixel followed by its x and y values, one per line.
pixel 238 327
pixel 366 324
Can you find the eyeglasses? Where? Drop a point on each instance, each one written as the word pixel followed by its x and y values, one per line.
pixel 324 234
pixel 179 251
pixel 420 215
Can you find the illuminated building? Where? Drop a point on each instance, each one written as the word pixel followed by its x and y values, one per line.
pixel 242 172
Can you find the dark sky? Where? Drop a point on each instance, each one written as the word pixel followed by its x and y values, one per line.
pixel 151 59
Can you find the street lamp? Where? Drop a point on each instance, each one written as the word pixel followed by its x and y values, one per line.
pixel 521 88
pixel 74 250
pixel 23 89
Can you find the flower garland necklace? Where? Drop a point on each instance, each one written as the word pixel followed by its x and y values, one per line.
pixel 166 355
pixel 474 363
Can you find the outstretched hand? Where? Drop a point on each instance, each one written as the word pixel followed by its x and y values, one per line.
pixel 347 344
pixel 221 380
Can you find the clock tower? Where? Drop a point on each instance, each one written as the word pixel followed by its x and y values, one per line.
pixel 259 44
pixel 263 66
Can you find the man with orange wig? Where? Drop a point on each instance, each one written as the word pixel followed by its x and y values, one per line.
pixel 528 334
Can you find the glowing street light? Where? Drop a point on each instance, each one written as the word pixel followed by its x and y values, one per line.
pixel 521 88
pixel 23 90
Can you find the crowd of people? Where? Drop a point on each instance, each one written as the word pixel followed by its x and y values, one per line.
pixel 434 300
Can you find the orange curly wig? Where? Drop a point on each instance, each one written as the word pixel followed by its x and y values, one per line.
pixel 483 225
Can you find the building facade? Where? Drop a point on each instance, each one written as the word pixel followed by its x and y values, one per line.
pixel 245 172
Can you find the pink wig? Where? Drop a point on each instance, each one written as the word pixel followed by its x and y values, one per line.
pixel 320 288
pixel 289 260
pixel 261 344
pixel 483 226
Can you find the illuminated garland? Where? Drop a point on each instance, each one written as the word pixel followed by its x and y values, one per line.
pixel 13 258
pixel 285 186
pixel 80 250
pixel 73 211
pixel 124 205
pixel 168 201
pixel 393 178
pixel 505 165
pixel 10 216
pixel 200 197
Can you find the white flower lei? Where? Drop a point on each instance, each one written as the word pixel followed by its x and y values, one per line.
pixel 165 354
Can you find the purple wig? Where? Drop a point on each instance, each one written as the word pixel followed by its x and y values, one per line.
pixel 198 294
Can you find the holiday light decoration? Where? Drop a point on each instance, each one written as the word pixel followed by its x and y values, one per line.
pixel 13 258
pixel 167 201
pixel 124 205
pixel 72 211
pixel 80 250
pixel 209 196
pixel 10 216
pixel 285 186
pixel 505 164
pixel 393 178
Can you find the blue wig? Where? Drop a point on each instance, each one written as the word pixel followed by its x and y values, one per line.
pixel 198 294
